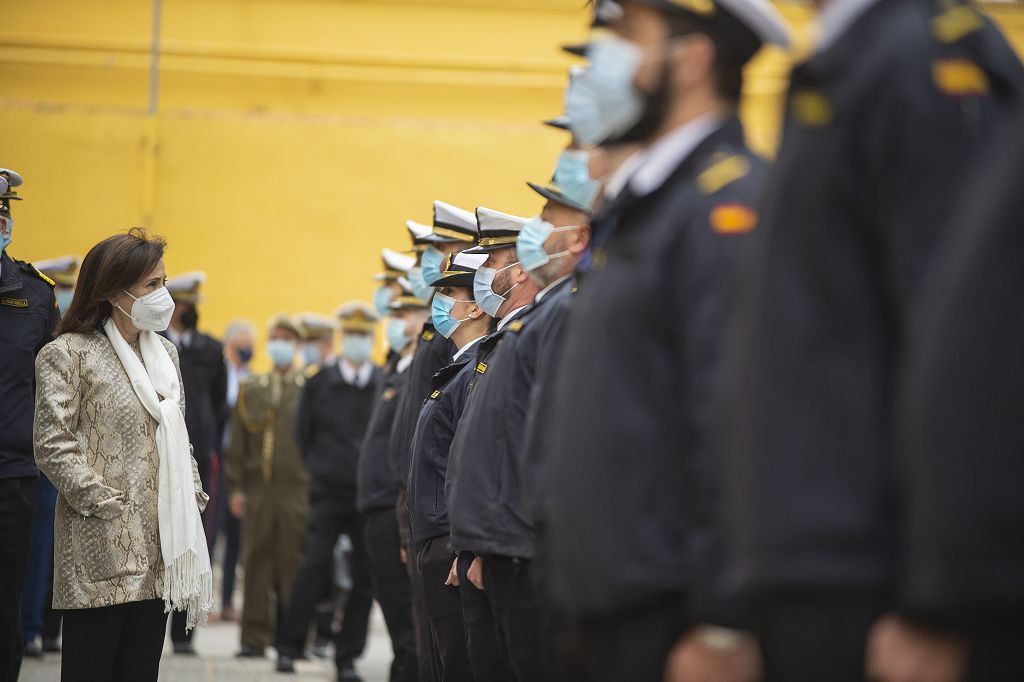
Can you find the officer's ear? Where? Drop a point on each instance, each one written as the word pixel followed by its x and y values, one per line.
pixel 580 240
pixel 474 312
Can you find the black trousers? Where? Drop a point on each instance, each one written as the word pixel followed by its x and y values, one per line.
pixel 434 559
pixel 481 632
pixel 509 586
pixel 627 646
pixel 17 506
pixel 119 643
pixel 329 518
pixel 996 655
pixel 814 636
pixel 392 588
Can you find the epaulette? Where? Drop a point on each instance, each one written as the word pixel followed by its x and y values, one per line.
pixel 311 371
pixel 724 169
pixel 427 335
pixel 33 270
pixel 954 21
pixel 515 326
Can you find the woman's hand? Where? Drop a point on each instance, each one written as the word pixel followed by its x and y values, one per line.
pixel 110 508
pixel 453 575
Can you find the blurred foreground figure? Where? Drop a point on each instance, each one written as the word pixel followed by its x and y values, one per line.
pixel 882 124
pixel 960 597
pixel 269 487
pixel 28 317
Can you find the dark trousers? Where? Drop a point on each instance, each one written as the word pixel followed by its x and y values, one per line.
pixel 38 576
pixel 814 636
pixel 329 519
pixel 628 646
pixel 17 503
pixel 509 586
pixel 391 585
pixel 420 620
pixel 434 559
pixel 232 549
pixel 481 632
pixel 119 643
pixel 996 655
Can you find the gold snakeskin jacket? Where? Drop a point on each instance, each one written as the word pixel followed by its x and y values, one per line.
pixel 94 439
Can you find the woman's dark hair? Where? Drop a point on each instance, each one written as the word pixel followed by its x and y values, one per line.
pixel 112 266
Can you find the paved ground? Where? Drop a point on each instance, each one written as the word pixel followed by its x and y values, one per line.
pixel 216 662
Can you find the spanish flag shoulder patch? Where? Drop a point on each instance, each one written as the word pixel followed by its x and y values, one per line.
pixel 732 218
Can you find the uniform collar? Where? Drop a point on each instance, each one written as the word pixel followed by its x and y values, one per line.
pixel 465 348
pixel 508 318
pixel 656 163
pixel 403 363
pixel 836 18
pixel 355 377
pixel 544 292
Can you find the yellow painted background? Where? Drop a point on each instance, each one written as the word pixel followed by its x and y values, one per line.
pixel 293 138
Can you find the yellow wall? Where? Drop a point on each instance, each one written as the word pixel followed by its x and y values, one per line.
pixel 293 137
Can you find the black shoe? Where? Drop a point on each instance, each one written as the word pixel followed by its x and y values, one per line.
pixel 51 645
pixel 347 673
pixel 184 648
pixel 250 651
pixel 285 664
pixel 33 649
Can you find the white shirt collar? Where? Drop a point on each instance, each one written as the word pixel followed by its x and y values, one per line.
pixel 465 348
pixel 836 18
pixel 179 340
pixel 508 318
pixel 618 178
pixel 543 292
pixel 665 154
pixel 356 377
pixel 403 363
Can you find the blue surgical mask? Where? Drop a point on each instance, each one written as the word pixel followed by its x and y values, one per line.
pixel 430 264
pixel 6 231
pixel 357 348
pixel 382 299
pixel 310 355
pixel 420 289
pixel 603 103
pixel 64 296
pixel 398 339
pixel 281 352
pixel 483 281
pixel 530 243
pixel 572 175
pixel 244 355
pixel 441 315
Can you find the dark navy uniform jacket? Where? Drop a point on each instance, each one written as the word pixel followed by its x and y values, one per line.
pixel 485 499
pixel 431 444
pixel 330 425
pixel 432 353
pixel 880 133
pixel 632 443
pixel 962 449
pixel 376 487
pixel 28 319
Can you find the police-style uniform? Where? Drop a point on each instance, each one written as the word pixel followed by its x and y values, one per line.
pixel 330 448
pixel 633 534
pixel 961 430
pixel 265 464
pixel 484 484
pixel 431 442
pixel 28 319
pixel 376 495
pixel 450 224
pixel 883 122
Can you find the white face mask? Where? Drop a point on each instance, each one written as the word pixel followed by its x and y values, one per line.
pixel 152 312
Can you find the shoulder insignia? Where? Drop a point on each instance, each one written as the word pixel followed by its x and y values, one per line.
pixel 598 259
pixel 955 22
pixel 959 78
pixel 732 218
pixel 723 170
pixel 34 271
pixel 427 335
pixel 388 394
pixel 435 394
pixel 14 302
pixel 515 325
pixel 481 367
pixel 311 371
pixel 811 108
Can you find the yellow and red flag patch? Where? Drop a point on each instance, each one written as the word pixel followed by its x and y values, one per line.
pixel 732 218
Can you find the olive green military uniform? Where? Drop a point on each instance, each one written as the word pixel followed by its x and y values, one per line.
pixel 264 463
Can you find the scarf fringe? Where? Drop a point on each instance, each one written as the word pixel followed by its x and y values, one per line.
pixel 186 589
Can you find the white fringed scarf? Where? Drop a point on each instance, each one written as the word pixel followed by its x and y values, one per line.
pixel 188 579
